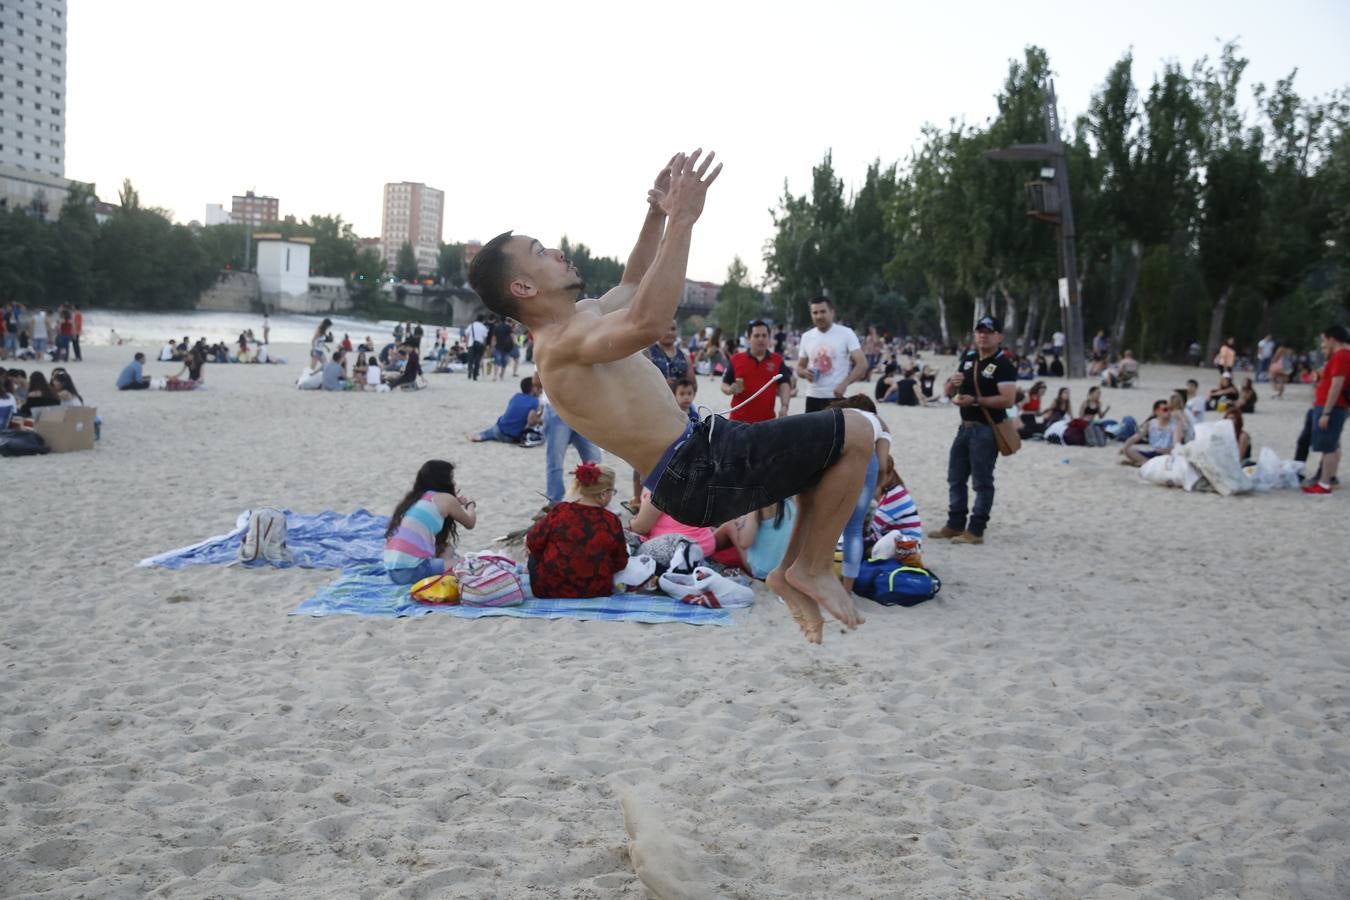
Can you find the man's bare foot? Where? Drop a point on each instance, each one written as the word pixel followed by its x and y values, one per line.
pixel 828 593
pixel 473 436
pixel 805 611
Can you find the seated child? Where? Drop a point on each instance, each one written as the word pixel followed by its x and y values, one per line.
pixel 578 547
pixel 758 540
pixel 420 539
pixel 896 512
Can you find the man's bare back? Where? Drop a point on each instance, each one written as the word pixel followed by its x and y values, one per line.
pixel 625 406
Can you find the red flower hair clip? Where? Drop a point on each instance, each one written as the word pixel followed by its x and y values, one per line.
pixel 587 474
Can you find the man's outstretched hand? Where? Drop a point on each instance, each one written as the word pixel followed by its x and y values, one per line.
pixel 658 191
pixel 689 181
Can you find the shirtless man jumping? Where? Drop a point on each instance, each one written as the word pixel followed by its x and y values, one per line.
pixel 589 354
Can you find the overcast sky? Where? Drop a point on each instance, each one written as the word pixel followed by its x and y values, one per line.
pixel 552 118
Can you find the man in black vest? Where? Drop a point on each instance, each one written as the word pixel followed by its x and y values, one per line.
pixel 983 387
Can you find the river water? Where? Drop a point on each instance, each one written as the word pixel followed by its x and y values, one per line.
pixel 287 328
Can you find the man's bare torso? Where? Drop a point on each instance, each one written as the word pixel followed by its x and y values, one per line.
pixel 625 406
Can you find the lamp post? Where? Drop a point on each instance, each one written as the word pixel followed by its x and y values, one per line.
pixel 1050 200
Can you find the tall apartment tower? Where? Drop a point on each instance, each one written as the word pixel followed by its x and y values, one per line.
pixel 33 86
pixel 251 209
pixel 413 214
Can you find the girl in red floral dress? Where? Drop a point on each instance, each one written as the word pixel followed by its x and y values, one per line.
pixel 577 548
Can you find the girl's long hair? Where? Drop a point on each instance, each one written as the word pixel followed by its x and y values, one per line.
pixel 38 386
pixel 435 475
pixel 69 383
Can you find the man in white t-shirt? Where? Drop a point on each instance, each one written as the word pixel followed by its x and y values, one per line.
pixel 1057 341
pixel 830 357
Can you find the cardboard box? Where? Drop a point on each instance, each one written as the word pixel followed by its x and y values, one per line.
pixel 66 428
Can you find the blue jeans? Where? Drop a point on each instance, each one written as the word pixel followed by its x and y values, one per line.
pixel 1328 441
pixel 425 569
pixel 493 433
pixel 972 458
pixel 557 435
pixel 857 523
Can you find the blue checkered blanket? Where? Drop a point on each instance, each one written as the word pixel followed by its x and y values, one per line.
pixel 369 592
pixel 326 540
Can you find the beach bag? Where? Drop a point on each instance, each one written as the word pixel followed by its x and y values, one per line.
pixel 489 579
pixel 1006 435
pixel 1096 436
pixel 892 583
pixel 437 590
pixel 265 538
pixel 1076 433
pixel 705 587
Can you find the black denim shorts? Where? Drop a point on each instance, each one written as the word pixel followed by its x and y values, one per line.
pixel 744 467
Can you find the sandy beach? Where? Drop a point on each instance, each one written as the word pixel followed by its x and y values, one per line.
pixel 1128 691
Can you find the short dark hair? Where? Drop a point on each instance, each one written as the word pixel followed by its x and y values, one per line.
pixel 527 384
pixel 139 357
pixel 757 323
pixel 684 382
pixel 822 299
pixel 1338 333
pixel 490 276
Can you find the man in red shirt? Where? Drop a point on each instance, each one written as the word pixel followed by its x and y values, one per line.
pixel 750 371
pixel 1329 406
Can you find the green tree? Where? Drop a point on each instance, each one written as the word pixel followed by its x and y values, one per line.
pixel 405 266
pixel 600 273
pixel 738 302
pixel 450 264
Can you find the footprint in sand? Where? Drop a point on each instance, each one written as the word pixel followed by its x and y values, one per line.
pixel 668 866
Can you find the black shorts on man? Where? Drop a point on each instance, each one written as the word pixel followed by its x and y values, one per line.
pixel 722 468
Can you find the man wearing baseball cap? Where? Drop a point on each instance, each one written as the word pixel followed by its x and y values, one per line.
pixel 983 388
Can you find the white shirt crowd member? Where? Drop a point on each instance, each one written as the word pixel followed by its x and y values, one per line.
pixel 827 353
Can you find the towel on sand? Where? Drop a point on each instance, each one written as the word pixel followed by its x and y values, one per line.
pixel 326 540
pixel 369 592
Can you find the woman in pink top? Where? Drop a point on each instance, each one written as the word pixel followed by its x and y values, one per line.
pixel 650 522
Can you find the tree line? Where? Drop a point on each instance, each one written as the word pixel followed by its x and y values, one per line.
pixel 1196 219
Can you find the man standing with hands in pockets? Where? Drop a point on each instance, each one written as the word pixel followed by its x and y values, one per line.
pixel 983 387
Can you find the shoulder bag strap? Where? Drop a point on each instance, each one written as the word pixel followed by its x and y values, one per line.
pixel 976 375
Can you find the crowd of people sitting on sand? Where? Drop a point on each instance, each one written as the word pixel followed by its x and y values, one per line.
pixel 581 544
pixel 23 394
pixel 342 366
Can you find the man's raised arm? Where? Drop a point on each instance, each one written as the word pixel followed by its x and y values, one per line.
pixel 627 330
pixel 644 251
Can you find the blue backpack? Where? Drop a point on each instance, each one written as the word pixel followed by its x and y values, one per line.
pixel 891 583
